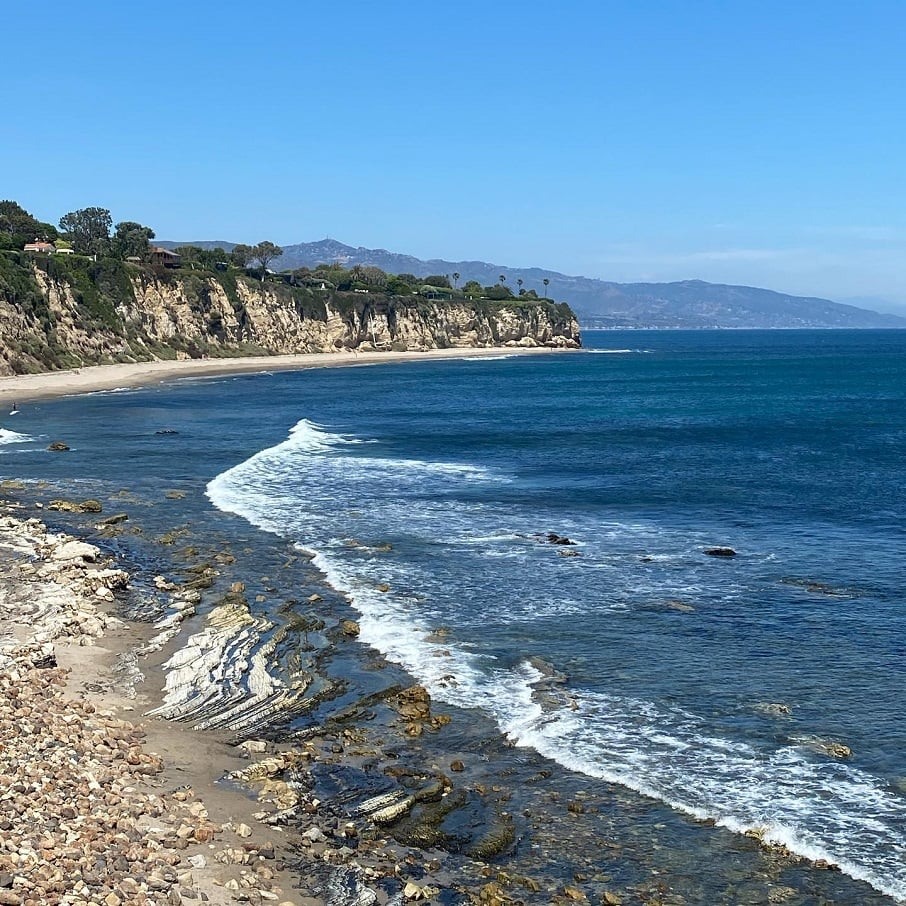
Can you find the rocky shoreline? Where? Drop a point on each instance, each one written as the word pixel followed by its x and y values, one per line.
pixel 323 777
pixel 93 815
pixel 87 814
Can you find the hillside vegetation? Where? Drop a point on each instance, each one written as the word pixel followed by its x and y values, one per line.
pixel 93 300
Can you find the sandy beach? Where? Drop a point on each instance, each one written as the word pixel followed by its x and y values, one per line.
pixel 26 387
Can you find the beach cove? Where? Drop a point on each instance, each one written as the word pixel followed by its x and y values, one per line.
pixel 525 830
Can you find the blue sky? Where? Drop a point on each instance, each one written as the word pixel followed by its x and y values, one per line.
pixel 758 143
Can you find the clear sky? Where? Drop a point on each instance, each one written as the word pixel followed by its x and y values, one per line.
pixel 745 142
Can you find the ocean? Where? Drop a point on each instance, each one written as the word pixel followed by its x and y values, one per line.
pixel 440 497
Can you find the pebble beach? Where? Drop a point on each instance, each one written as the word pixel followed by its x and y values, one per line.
pixel 88 812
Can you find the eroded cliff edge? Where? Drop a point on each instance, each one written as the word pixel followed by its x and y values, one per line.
pixel 66 314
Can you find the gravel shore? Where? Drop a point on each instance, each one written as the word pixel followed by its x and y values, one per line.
pixel 88 813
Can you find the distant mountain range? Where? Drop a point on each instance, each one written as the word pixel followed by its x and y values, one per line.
pixel 601 303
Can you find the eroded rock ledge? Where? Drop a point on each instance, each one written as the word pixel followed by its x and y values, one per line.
pixel 82 817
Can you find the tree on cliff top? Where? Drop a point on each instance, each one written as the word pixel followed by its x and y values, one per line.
pixel 88 229
pixel 132 240
pixel 242 254
pixel 266 252
pixel 17 226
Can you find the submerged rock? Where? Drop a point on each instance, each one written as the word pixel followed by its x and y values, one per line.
pixel 720 552
pixel 829 747
pixel 58 446
pixel 680 606
pixel 820 588
pixel 115 519
pixel 774 709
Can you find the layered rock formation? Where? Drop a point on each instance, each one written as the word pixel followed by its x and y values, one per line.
pixel 70 314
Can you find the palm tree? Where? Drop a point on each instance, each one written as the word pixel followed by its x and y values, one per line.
pixel 546 282
pixel 502 279
pixel 455 278
pixel 520 281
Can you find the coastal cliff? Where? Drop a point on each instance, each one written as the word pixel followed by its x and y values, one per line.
pixel 61 314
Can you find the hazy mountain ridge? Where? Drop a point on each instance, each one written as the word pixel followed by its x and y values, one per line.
pixel 602 303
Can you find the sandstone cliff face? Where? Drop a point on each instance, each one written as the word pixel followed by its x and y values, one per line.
pixel 145 316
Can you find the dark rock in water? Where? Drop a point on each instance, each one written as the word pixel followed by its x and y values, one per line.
pixel 116 519
pixel 499 837
pixel 569 553
pixel 166 431
pixel 90 506
pixel 720 552
pixel 553 538
pixel 58 447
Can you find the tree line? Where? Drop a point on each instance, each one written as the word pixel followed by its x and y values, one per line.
pixel 91 231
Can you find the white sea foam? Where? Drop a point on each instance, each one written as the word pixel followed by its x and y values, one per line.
pixel 817 808
pixel 271 488
pixel 486 358
pixel 109 391
pixel 617 351
pixel 317 480
pixel 13 437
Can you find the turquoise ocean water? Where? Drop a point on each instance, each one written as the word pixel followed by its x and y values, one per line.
pixel 645 450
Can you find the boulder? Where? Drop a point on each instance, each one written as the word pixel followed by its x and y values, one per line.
pixel 833 749
pixel 74 506
pixel 76 550
pixel 720 552
pixel 58 446
pixel 414 703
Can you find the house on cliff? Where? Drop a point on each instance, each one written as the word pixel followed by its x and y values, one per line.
pixel 45 248
pixel 164 257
